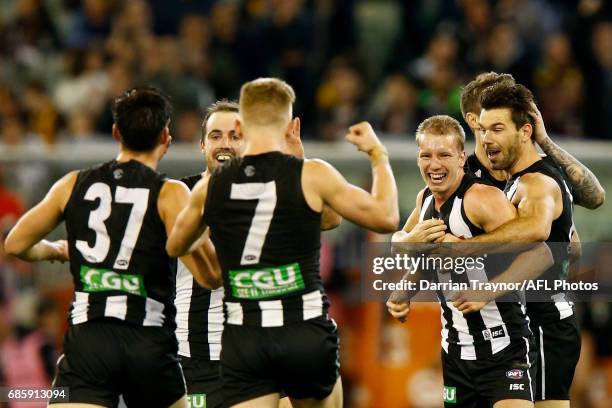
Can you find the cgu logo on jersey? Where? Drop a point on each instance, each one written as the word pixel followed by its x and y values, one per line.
pixel 450 395
pixel 266 282
pixel 100 280
pixel 196 400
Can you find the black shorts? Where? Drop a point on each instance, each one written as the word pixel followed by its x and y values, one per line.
pixel 300 359
pixel 203 382
pixel 558 345
pixel 105 358
pixel 481 383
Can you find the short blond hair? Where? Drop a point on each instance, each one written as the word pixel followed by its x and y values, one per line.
pixel 266 102
pixel 441 125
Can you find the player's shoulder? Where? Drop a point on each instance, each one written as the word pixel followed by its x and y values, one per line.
pixel 481 192
pixel 172 187
pixel 537 180
pixel 191 181
pixel 316 165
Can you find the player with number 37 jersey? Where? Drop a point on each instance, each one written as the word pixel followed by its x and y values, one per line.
pixel 129 279
pixel 121 337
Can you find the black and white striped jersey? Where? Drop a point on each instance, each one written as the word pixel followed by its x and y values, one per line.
pixel 199 311
pixel 267 239
pixel 117 245
pixel 560 235
pixel 480 334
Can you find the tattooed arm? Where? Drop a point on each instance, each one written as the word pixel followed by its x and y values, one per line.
pixel 587 190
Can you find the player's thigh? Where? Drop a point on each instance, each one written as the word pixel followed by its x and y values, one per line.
pixel 513 403
pixel 333 400
pixel 265 401
pixel 553 404
pixel 180 403
pixel 285 402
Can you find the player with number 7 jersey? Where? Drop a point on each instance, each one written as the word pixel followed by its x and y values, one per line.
pixel 121 336
pixel 264 213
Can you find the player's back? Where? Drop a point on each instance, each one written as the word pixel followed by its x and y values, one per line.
pixel 267 239
pixel 117 246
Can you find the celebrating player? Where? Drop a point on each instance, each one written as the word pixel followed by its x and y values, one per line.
pixel 263 211
pixel 121 337
pixel 479 349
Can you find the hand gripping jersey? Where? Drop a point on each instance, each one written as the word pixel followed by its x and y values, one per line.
pixel 267 240
pixel 499 324
pixel 117 245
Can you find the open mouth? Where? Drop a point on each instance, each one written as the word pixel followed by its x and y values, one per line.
pixel 437 178
pixel 492 154
pixel 222 157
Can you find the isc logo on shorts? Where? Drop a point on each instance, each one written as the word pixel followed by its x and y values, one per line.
pixel 517 387
pixel 494 333
pixel 266 282
pixel 515 374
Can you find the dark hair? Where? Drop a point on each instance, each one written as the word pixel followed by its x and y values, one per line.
pixel 515 97
pixel 470 94
pixel 141 114
pixel 222 105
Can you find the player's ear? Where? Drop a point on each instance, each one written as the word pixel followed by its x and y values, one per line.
pixel 238 126
pixel 165 137
pixel 526 132
pixel 472 120
pixel 293 130
pixel 116 134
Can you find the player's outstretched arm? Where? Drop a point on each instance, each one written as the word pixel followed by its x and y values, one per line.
pixel 186 223
pixel 329 219
pixel 377 210
pixel 537 209
pixel 185 227
pixel 488 208
pixel 26 239
pixel 586 189
pixel 294 147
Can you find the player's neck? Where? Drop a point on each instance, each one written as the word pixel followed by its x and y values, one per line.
pixel 258 142
pixel 526 158
pixel 149 159
pixel 481 155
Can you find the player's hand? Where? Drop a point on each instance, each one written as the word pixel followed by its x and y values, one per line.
pixel 539 131
pixel 59 251
pixel 470 301
pixel 425 231
pixel 399 310
pixel 293 141
pixel 363 137
pixel 450 238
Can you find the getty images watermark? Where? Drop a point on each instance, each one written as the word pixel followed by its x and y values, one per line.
pixel 536 272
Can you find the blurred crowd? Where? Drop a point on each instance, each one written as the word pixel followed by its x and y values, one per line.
pixel 392 62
